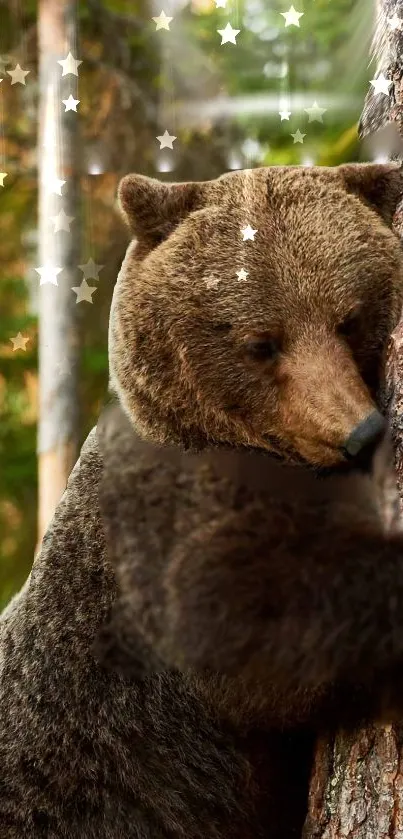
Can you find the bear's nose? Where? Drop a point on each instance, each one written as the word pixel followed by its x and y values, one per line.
pixel 364 439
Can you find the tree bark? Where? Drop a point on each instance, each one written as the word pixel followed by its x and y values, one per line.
pixel 58 326
pixel 357 781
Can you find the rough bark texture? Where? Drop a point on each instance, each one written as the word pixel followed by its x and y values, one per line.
pixel 58 339
pixel 357 781
pixel 357 786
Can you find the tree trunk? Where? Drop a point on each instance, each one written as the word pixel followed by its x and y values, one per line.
pixel 357 780
pixel 58 334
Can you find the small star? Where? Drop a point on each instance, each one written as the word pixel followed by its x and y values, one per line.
pixel 298 137
pixel 49 143
pixel 220 4
pixel 242 274
pixel 284 115
pixel 63 368
pixel 48 274
pixel 228 34
pixel 212 282
pixel 381 85
pixel 84 292
pixel 291 17
pixel 91 270
pixel 248 233
pixel 70 65
pixel 19 342
pixel 395 22
pixel 71 103
pixel 2 176
pixel 315 112
pixel 55 185
pixel 62 221
pixel 166 139
pixel 162 21
pixel 18 75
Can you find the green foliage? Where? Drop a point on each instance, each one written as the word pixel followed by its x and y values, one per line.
pixel 17 442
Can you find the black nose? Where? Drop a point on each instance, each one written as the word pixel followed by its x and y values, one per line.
pixel 360 446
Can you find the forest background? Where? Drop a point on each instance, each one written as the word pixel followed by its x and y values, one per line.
pixel 224 103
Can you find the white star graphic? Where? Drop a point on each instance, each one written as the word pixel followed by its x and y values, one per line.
pixel 84 292
pixel 48 274
pixel 91 270
pixel 166 139
pixel 291 17
pixel 228 35
pixel 2 176
pixel 55 186
pixel 298 137
pixel 162 21
pixel 212 282
pixel 19 342
pixel 315 112
pixel 70 65
pixel 395 22
pixel 18 75
pixel 381 85
pixel 71 103
pixel 220 4
pixel 284 115
pixel 49 143
pixel 63 367
pixel 242 274
pixel 62 221
pixel 248 233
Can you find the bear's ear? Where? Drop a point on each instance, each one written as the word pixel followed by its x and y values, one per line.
pixel 379 184
pixel 152 209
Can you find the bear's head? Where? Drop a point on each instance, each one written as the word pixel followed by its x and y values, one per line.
pixel 254 310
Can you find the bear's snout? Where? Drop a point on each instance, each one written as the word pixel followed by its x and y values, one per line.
pixel 326 408
pixel 363 441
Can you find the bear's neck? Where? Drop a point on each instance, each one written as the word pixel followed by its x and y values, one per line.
pixel 264 473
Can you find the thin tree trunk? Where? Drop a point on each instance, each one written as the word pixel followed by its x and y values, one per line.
pixel 58 332
pixel 357 781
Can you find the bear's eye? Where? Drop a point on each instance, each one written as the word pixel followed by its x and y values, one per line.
pixel 262 349
pixel 222 327
pixel 349 325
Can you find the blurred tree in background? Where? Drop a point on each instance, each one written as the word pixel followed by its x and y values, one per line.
pixel 222 104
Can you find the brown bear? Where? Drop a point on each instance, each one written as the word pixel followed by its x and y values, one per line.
pixel 219 543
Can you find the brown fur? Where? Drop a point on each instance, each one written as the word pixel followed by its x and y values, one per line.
pixel 253 602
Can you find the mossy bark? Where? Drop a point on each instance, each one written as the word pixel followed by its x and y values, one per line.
pixel 357 780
